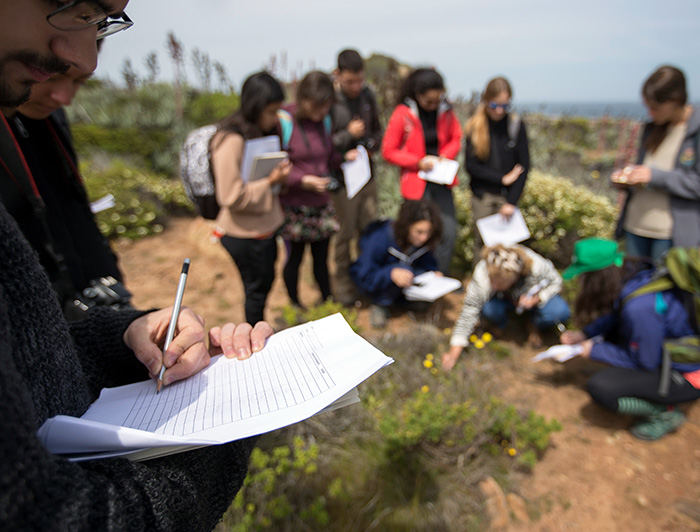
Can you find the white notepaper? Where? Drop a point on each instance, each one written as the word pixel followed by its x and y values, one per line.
pixel 443 171
pixel 560 353
pixel 300 372
pixel 356 173
pixel 429 286
pixel 102 204
pixel 254 147
pixel 496 229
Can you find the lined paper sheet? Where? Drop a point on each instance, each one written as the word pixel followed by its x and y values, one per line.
pixel 301 371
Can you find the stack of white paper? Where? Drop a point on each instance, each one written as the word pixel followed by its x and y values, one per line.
pixel 443 171
pixel 496 229
pixel 429 286
pixel 300 372
pixel 357 173
pixel 560 353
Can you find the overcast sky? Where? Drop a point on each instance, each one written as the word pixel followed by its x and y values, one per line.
pixel 588 50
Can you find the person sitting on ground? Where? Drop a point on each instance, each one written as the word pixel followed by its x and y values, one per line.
pixel 393 253
pixel 509 279
pixel 250 213
pixel 633 337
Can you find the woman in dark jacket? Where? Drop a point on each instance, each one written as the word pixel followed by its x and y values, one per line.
pixel 497 155
pixel 393 253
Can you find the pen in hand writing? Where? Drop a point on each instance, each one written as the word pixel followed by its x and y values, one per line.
pixel 173 319
pixel 531 293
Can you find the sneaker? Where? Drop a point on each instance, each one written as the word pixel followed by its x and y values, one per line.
pixel 658 425
pixel 378 317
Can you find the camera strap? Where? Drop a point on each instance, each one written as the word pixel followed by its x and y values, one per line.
pixel 19 183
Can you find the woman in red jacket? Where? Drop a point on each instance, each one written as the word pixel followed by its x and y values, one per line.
pixel 424 126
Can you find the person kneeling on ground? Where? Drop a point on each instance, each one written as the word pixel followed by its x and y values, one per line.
pixel 507 279
pixel 633 331
pixel 393 253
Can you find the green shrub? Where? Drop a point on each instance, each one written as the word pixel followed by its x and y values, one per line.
pixel 143 200
pixel 556 211
pixel 523 437
pixel 271 495
pixel 292 315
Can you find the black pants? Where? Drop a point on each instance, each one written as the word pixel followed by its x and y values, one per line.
pixel 608 385
pixel 295 252
pixel 442 197
pixel 255 260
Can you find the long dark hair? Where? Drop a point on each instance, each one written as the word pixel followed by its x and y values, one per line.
pixel 315 87
pixel 598 290
pixel 666 84
pixel 416 211
pixel 258 91
pixel 420 81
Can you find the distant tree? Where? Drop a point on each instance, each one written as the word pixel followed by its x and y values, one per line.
pixel 131 78
pixel 177 54
pixel 202 65
pixel 152 67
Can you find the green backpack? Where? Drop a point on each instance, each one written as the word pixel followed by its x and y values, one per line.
pixel 679 268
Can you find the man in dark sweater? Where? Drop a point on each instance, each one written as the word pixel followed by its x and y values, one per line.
pixel 49 368
pixel 355 122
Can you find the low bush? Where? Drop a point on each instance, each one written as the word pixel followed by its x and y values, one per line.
pixel 143 200
pixel 556 211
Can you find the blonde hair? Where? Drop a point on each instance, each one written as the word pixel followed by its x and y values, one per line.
pixel 477 127
pixel 506 263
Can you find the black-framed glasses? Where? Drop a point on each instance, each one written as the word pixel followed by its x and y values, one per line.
pixel 504 106
pixel 82 14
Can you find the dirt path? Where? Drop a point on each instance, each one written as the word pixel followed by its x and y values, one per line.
pixel 595 476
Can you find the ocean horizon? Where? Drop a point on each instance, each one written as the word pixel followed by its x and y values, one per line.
pixel 633 110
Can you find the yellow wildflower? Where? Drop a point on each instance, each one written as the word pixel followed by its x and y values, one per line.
pixel 425 388
pixel 512 451
pixel 479 344
pixel 473 338
pixel 487 337
pixel 447 331
pixel 595 174
pixel 433 371
pixel 429 356
pixel 428 363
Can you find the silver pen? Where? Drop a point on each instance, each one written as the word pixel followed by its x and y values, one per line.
pixel 173 319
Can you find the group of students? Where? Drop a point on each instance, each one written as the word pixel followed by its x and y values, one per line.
pixel 304 199
pixel 661 209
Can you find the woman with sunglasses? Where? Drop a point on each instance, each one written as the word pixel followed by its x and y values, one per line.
pixel 424 126
pixel 497 155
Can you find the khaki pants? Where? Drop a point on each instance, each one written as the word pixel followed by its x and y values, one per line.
pixel 482 207
pixel 353 216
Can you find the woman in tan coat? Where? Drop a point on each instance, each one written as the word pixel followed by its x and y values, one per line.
pixel 250 212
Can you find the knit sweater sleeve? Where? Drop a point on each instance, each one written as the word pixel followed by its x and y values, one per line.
pixel 41 491
pixel 478 293
pixel 103 332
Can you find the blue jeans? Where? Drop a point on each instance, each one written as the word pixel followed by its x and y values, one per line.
pixel 641 246
pixel 555 311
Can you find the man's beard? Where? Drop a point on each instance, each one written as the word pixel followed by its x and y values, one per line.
pixel 14 96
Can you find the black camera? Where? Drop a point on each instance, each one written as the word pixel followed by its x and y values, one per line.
pixel 103 292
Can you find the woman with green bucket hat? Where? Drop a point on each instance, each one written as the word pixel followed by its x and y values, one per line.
pixel 630 338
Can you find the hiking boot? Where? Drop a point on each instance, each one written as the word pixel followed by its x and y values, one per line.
pixel 658 425
pixel 378 317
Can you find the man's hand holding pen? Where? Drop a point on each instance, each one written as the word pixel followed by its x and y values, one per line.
pixel 188 353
